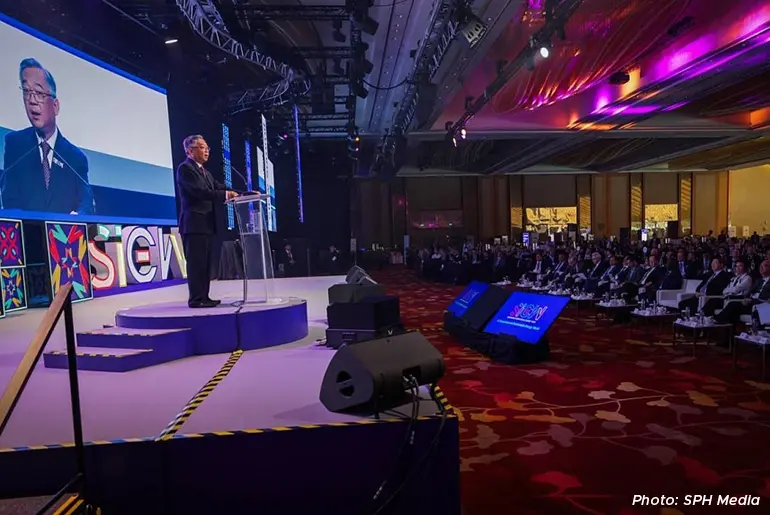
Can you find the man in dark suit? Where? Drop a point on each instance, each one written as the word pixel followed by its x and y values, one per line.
pixel 43 171
pixel 760 292
pixel 651 280
pixel 198 191
pixel 712 285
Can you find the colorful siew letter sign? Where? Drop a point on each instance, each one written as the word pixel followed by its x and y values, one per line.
pixel 135 255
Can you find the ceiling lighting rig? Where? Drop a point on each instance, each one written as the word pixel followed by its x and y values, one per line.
pixel 447 19
pixel 557 17
pixel 205 19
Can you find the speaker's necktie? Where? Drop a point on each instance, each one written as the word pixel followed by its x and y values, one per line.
pixel 46 166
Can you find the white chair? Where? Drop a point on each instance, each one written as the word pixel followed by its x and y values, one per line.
pixel 672 298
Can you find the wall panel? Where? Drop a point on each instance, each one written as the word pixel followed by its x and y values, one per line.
pixel 618 203
pixel 502 206
pixel 583 186
pixel 515 198
pixel 487 208
pixel 710 195
pixel 748 199
pixel 470 201
pixel 600 205
pixel 637 202
pixel 685 204
pixel 434 193
pixel 551 190
pixel 661 188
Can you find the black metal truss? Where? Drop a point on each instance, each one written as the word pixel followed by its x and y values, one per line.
pixel 330 52
pixel 338 100
pixel 333 129
pixel 293 12
pixel 312 117
pixel 334 80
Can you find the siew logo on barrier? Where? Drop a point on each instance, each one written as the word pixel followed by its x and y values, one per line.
pixel 134 255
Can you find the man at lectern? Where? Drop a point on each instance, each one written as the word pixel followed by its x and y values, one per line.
pixel 198 191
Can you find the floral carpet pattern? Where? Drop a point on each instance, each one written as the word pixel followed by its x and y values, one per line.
pixel 614 414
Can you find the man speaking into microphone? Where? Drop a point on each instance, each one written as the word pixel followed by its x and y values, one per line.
pixel 43 171
pixel 198 191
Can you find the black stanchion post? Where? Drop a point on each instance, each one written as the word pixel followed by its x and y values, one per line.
pixel 307 256
pixel 77 421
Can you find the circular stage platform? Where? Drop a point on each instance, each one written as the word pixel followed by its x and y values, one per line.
pixel 222 329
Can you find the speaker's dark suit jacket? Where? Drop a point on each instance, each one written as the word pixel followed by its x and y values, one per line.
pixel 716 286
pixel 197 194
pixel 23 186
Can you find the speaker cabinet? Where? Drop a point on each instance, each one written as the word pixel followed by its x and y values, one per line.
pixel 672 229
pixel 354 292
pixel 481 311
pixel 355 274
pixel 369 377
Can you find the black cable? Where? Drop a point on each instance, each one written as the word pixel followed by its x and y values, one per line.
pixel 417 467
pixel 414 390
pixel 385 88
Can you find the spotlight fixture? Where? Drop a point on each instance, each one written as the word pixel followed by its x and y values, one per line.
pixel 171 41
pixel 354 141
pixel 463 133
pixel 361 19
pixel 545 52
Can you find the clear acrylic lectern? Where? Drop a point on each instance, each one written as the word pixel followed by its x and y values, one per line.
pixel 257 271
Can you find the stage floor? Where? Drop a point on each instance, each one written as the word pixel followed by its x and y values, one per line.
pixel 266 388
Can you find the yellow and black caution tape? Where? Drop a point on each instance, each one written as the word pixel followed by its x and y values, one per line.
pixel 175 425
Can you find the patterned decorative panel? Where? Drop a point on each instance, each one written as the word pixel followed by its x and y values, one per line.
pixel 516 198
pixel 685 204
pixel 584 202
pixel 13 285
pixel 68 259
pixel 637 201
pixel 11 243
pixel 14 289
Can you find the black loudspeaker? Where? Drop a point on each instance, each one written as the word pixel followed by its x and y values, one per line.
pixel 625 234
pixel 354 292
pixel 672 229
pixel 369 314
pixel 370 377
pixel 485 306
pixel 354 275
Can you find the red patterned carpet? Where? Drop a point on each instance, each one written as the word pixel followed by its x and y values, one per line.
pixel 609 417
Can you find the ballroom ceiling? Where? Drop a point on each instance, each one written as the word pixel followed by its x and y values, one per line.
pixel 627 84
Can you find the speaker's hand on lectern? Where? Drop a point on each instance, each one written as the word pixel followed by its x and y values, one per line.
pixel 231 195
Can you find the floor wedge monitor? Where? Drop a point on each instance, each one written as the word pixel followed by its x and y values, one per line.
pixel 371 377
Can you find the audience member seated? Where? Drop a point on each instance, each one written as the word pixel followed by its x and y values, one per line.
pixel 711 286
pixel 738 288
pixel 760 292
pixel 592 274
pixel 628 285
pixel 650 282
pixel 558 271
pixel 687 269
pixel 538 268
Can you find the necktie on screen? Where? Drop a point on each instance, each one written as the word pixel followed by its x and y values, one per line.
pixel 46 166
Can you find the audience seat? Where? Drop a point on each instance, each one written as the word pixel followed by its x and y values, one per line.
pixel 672 298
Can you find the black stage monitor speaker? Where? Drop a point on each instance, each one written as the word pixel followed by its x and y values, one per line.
pixel 354 275
pixel 481 311
pixel 371 377
pixel 354 292
pixel 369 314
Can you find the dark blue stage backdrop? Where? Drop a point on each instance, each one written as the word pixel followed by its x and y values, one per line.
pixel 527 316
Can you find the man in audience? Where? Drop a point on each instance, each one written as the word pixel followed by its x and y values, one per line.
pixel 738 288
pixel 601 286
pixel 594 272
pixel 711 286
pixel 538 268
pixel 628 284
pixel 650 281
pixel 558 271
pixel 687 269
pixel 760 292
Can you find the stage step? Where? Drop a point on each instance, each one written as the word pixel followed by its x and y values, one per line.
pixel 125 338
pixel 111 359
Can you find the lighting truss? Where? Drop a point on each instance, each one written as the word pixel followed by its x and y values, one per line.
pixel 334 129
pixel 338 99
pixel 330 52
pixel 294 12
pixel 439 36
pixel 205 19
pixel 312 117
pixel 561 15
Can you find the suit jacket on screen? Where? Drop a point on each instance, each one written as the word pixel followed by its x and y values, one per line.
pixel 23 186
pixel 197 194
